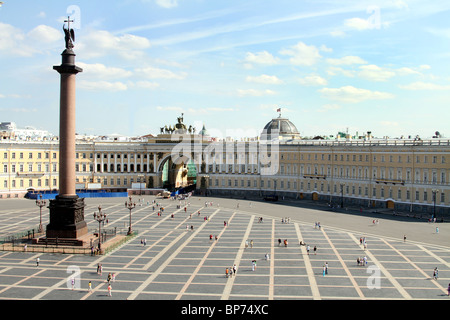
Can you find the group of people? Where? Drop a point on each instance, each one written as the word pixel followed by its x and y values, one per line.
pixel 229 272
pixel 110 278
pixel 361 261
pixel 285 242
pixel 286 220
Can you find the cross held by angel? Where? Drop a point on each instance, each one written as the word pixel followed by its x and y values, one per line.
pixel 69 34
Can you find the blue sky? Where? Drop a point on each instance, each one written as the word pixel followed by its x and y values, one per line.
pixel 380 66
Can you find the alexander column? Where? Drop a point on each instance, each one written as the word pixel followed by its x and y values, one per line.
pixel 67 210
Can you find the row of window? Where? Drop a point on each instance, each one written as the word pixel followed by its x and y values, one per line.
pixel 366 158
pixel 280 185
pixel 21 167
pixel 30 155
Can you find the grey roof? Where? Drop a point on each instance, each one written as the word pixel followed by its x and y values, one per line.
pixel 283 125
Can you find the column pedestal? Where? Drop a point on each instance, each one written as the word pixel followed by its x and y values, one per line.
pixel 67 218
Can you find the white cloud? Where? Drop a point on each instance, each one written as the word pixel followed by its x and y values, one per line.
pixel 351 94
pixel 14 41
pixel 145 84
pixel 373 20
pixel 46 34
pixel 368 72
pixel 324 48
pixel 337 33
pixel 313 80
pixel 265 79
pixel 407 71
pixel 302 54
pixel 100 71
pixel 263 57
pixel 255 93
pixel 167 3
pixel 347 60
pixel 99 43
pixel 102 85
pixel 358 24
pixel 424 86
pixel 333 71
pixel 375 73
pixel 157 73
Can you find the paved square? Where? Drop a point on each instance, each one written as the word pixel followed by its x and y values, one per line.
pixel 179 262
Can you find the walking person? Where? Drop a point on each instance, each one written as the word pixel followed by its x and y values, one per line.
pixel 90 286
pixel 435 273
pixel 448 290
pixel 37 262
pixel 315 250
pixel 109 290
pixel 307 249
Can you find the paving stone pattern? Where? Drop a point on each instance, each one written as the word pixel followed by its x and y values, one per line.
pixel 179 263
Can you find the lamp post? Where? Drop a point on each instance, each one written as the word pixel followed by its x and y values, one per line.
pixel 342 184
pixel 130 206
pixel 40 203
pixel 140 184
pixel 435 192
pixel 99 217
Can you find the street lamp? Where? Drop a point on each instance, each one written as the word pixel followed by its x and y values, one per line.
pixel 435 192
pixel 130 206
pixel 342 184
pixel 40 203
pixel 140 184
pixel 99 217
